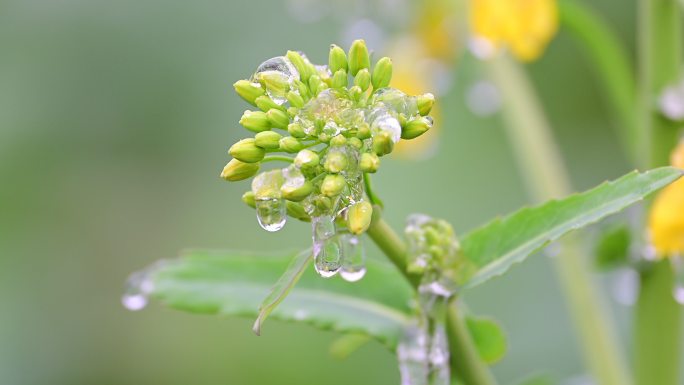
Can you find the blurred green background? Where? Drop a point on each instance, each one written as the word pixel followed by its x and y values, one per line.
pixel 115 118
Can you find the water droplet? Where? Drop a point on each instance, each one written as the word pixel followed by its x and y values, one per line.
pixel 292 176
pixel 394 100
pixel 354 258
pixel 280 71
pixel 327 257
pixel 271 213
pixel 483 98
pixel 413 356
pixel 134 302
pixel 138 288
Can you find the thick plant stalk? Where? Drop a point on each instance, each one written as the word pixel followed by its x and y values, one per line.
pixel 545 174
pixel 658 324
pixel 466 364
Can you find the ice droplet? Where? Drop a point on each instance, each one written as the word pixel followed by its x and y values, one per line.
pixel 138 288
pixel 271 213
pixel 354 258
pixel 412 353
pixel 326 247
pixel 281 69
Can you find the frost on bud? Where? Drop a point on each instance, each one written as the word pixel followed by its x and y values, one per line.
pixel 290 144
pixel 335 162
pixel 247 151
pixel 265 103
pixel 339 79
pixel 295 99
pixel 236 170
pixel 278 118
pixel 358 57
pixel 306 160
pixel 255 121
pixel 382 73
pixel 296 193
pixel 248 90
pixel 248 198
pixel 338 140
pixel 296 211
pixel 305 68
pixel 369 162
pixel 416 127
pixel 424 103
pixel 268 140
pixel 332 185
pixel 363 79
pixel 337 59
pixel 382 143
pixel 296 130
pixel 359 217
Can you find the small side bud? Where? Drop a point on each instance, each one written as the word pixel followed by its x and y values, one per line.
pixel 248 198
pixel 255 121
pixel 355 93
pixel 290 144
pixel 416 127
pixel 335 162
pixel 364 131
pixel 337 60
pixel 303 66
pixel 295 99
pixel 358 57
pixel 332 185
pixel 296 194
pixel 369 162
pixel 274 82
pixel 296 211
pixel 268 140
pixel 265 103
pixel 363 79
pixel 382 73
pixel 236 170
pixel 339 79
pixel 295 129
pixel 382 143
pixel 359 217
pixel 278 118
pixel 338 140
pixel 248 90
pixel 356 143
pixel 247 151
pixel 424 103
pixel 315 83
pixel 306 160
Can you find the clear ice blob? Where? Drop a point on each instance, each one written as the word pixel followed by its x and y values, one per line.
pixel 353 258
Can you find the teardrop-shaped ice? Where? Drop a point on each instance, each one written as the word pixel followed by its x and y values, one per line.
pixel 271 213
pixel 354 258
pixel 327 257
pixel 138 288
pixel 277 75
pixel 380 119
pixel 397 101
pixel 413 357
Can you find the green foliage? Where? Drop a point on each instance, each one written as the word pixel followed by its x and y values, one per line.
pixel 612 250
pixel 493 248
pixel 489 338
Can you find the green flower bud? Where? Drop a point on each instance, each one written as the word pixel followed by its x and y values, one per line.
pixel 303 66
pixel 424 103
pixel 364 131
pixel 255 121
pixel 303 89
pixel 278 118
pixel 268 140
pixel 355 142
pixel 382 143
pixel 247 151
pixel 265 103
pixel 290 144
pixel 296 210
pixel 358 57
pixel 363 79
pixel 306 160
pixel 337 60
pixel 248 90
pixel 296 194
pixel 369 162
pixel 335 162
pixel 355 93
pixel 382 73
pixel 359 217
pixel 315 83
pixel 295 99
pixel 275 82
pixel 416 127
pixel 339 79
pixel 295 129
pixel 248 198
pixel 236 170
pixel 338 140
pixel 332 185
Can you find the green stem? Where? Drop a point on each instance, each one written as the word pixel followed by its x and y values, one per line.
pixel 658 317
pixel 277 158
pixel 539 158
pixel 374 199
pixel 465 361
pixel 611 62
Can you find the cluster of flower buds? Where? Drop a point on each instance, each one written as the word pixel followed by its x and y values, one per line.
pixel 330 124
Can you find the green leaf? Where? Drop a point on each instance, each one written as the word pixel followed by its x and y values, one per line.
pixel 612 250
pixel 492 249
pixel 489 338
pixel 234 283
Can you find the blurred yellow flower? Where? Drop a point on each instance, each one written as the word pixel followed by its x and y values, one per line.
pixel 666 220
pixel 524 27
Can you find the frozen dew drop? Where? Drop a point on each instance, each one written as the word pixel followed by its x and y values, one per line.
pixel 138 288
pixel 354 258
pixel 483 98
pixel 134 302
pixel 328 257
pixel 413 357
pixel 271 213
pixel 394 100
pixel 380 120
pixel 281 71
pixel 293 177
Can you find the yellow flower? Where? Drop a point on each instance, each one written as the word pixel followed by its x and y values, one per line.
pixel 524 27
pixel 666 220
